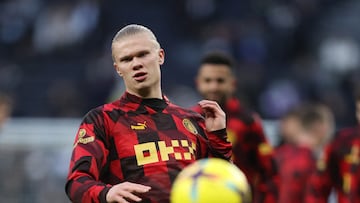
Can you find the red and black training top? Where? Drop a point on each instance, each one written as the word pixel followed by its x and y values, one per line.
pixel 145 141
pixel 295 165
pixel 338 169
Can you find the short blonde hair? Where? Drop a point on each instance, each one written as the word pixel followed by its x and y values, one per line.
pixel 131 30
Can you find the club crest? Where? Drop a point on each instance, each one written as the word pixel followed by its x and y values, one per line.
pixel 189 126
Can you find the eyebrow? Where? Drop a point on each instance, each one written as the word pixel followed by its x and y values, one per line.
pixel 130 56
pixel 125 58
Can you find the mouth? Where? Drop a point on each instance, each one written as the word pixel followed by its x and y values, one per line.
pixel 141 76
pixel 213 96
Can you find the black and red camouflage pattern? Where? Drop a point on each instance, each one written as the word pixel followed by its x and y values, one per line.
pixel 296 164
pixel 111 138
pixel 338 169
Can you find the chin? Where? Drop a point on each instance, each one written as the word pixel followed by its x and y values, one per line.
pixel 213 99
pixel 144 90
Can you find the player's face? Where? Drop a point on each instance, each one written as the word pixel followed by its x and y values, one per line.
pixel 137 60
pixel 215 82
pixel 290 128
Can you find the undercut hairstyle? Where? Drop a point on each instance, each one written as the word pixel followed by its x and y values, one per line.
pixel 218 58
pixel 131 30
pixel 294 112
pixel 312 113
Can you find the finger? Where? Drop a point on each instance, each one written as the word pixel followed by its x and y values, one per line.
pixel 128 195
pixel 120 199
pixel 212 109
pixel 208 102
pixel 134 187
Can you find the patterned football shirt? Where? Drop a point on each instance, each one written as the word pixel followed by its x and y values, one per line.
pixel 338 169
pixel 144 141
pixel 296 164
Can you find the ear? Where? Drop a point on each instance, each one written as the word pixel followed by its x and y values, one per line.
pixel 161 56
pixel 117 69
pixel 196 81
pixel 233 85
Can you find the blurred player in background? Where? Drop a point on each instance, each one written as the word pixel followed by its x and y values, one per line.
pixel 251 151
pixel 305 130
pixel 339 167
pixel 131 150
pixel 11 170
pixel 5 108
pixel 295 161
pixel 318 123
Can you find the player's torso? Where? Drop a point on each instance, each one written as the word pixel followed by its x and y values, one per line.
pixel 237 130
pixel 153 143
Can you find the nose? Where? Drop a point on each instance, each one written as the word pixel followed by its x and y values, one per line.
pixel 136 63
pixel 213 85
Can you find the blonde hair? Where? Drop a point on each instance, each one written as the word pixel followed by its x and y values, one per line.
pixel 131 30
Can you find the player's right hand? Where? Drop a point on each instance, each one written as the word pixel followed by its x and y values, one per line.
pixel 122 192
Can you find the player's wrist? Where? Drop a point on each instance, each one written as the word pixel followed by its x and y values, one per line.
pixel 104 195
pixel 219 132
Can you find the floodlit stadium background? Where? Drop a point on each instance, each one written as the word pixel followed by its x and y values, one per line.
pixel 55 62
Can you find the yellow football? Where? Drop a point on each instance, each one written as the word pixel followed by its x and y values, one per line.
pixel 211 180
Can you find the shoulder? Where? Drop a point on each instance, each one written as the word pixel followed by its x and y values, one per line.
pixel 349 131
pixel 345 134
pixel 108 110
pixel 344 137
pixel 196 108
pixel 181 111
pixel 235 110
pixel 246 116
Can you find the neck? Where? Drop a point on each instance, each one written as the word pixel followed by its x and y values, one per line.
pixel 147 93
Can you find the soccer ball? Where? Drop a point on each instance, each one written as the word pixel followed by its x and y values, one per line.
pixel 210 180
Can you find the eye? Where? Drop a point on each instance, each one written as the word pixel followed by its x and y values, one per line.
pixel 207 80
pixel 220 80
pixel 143 54
pixel 126 59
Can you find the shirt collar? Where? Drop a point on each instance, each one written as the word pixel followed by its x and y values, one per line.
pixel 135 103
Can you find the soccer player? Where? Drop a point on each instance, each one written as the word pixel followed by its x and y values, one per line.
pixel 5 108
pixel 132 149
pixel 339 168
pixel 251 151
pixel 305 130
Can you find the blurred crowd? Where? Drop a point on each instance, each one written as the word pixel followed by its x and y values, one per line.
pixel 55 59
pixel 55 55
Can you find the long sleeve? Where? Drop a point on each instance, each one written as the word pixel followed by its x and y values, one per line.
pixel 88 161
pixel 144 142
pixel 218 144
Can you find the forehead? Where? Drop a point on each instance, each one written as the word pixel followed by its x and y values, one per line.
pixel 214 70
pixel 133 43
